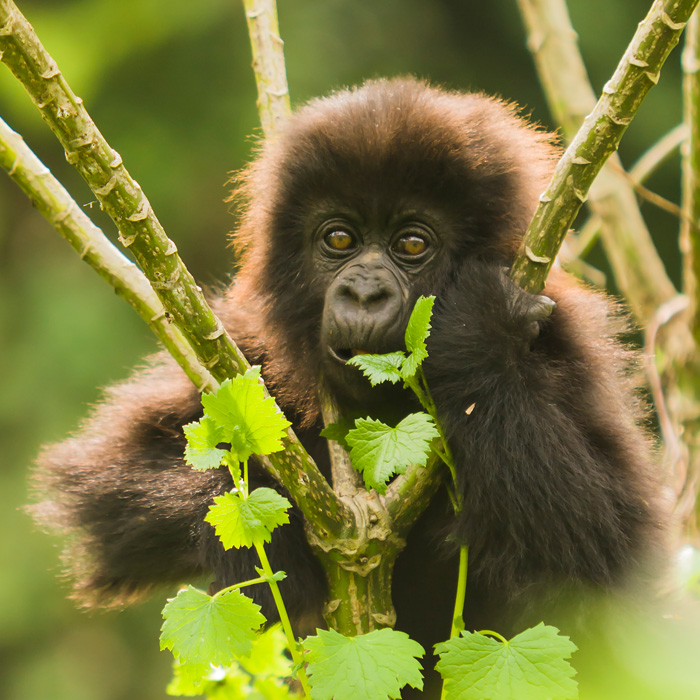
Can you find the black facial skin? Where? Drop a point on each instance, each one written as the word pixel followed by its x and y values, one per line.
pixel 366 200
pixel 369 272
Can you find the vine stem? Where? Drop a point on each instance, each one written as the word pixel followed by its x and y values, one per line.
pixel 457 617
pixel 284 619
pixel 238 586
pixel 491 633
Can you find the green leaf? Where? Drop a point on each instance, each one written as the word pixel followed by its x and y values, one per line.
pixel 531 666
pixel 337 431
pixel 268 657
pixel 259 675
pixel 372 666
pixel 186 681
pixel 380 451
pixel 244 523
pixel 201 629
pixel 380 368
pixel 251 423
pixel 201 451
pixel 417 330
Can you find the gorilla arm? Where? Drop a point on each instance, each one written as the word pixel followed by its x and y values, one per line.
pixel 556 478
pixel 121 489
pixel 134 511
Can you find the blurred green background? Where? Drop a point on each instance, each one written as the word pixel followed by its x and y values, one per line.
pixel 170 86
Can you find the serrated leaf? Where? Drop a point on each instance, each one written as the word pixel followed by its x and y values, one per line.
pixel 372 666
pixel 251 423
pixel 201 629
pixel 201 451
pixel 417 330
pixel 244 523
pixel 380 368
pixel 531 666
pixel 380 451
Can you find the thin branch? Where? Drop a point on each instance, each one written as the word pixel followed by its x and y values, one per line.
pixel 645 166
pixel 268 63
pixel 119 195
pixel 140 231
pixel 655 156
pixel 597 139
pixel 688 505
pixel 274 108
pixel 62 212
pixel 639 272
pixel 690 201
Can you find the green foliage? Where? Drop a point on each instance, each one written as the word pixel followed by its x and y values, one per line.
pixel 201 451
pixel 259 676
pixel 417 330
pixel 246 522
pixel 201 629
pixel 249 422
pixel 338 432
pixel 531 666
pixel 372 666
pixel 396 366
pixel 380 451
pixel 380 368
pixel 209 635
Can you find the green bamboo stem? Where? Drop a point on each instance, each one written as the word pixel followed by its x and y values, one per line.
pixel 56 205
pixel 268 63
pixel 638 269
pixel 121 197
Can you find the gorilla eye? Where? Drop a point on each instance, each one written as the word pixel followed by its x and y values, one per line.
pixel 339 240
pixel 410 245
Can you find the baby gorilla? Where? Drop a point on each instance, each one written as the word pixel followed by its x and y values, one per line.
pixel 366 200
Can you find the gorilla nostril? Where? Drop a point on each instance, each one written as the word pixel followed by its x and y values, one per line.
pixel 366 296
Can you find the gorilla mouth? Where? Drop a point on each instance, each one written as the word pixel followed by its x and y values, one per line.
pixel 345 354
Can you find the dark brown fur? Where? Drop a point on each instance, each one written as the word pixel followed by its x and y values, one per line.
pixel 560 495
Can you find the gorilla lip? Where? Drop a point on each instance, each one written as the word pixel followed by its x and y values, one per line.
pixel 345 354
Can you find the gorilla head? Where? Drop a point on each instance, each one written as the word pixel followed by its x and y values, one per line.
pixel 370 198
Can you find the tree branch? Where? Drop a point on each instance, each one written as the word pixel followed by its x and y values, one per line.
pixel 62 212
pixel 639 271
pixel 140 231
pixel 268 63
pixel 690 203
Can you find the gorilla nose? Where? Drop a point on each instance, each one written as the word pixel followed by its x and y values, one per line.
pixel 367 294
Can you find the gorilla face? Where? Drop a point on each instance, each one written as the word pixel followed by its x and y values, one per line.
pixel 372 268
